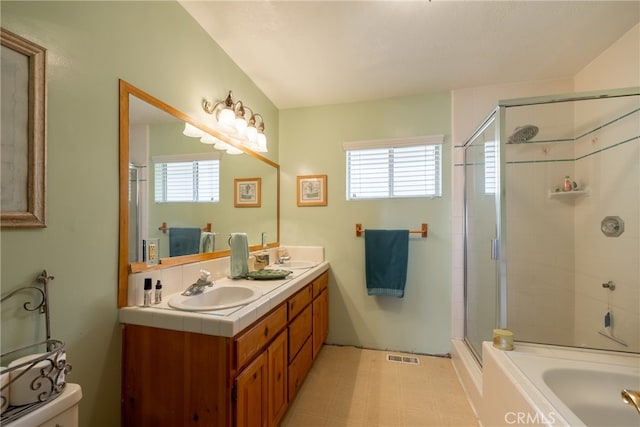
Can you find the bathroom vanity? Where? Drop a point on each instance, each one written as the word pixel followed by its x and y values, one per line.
pixel 174 376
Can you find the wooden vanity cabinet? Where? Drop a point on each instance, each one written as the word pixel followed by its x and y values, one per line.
pixel 174 378
pixel 320 312
pixel 260 389
pixel 252 389
pixel 177 378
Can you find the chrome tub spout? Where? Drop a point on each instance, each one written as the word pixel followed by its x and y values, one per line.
pixel 631 397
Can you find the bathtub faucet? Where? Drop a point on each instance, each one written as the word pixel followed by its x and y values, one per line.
pixel 631 397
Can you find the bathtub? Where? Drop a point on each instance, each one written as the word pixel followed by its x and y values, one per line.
pixel 557 386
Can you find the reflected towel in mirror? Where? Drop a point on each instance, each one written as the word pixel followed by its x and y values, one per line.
pixel 184 241
pixel 207 242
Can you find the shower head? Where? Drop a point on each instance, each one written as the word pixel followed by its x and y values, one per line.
pixel 523 134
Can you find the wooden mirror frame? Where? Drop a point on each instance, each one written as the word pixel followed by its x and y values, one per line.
pixel 124 267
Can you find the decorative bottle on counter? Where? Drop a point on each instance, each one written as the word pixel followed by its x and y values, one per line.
pixel 147 292
pixel 567 185
pixel 158 294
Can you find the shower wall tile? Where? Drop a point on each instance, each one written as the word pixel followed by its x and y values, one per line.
pixel 540 254
pixel 613 176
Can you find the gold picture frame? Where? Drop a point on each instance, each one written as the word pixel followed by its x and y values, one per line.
pixel 312 190
pixel 24 127
pixel 247 192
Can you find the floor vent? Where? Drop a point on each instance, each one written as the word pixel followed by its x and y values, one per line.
pixel 403 359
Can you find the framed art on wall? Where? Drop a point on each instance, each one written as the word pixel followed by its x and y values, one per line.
pixel 312 190
pixel 247 192
pixel 23 125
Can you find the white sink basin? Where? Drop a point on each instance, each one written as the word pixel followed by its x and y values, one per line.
pixel 216 298
pixel 294 264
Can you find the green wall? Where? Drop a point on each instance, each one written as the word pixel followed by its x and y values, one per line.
pixel 311 143
pixel 158 47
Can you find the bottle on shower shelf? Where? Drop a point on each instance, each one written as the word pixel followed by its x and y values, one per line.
pixel 567 185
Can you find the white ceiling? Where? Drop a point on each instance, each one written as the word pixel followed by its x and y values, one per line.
pixel 305 53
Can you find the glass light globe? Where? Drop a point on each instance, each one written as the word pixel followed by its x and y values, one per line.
pixel 226 117
pixel 192 131
pixel 252 133
pixel 221 145
pixel 241 126
pixel 262 143
pixel 233 150
pixel 209 139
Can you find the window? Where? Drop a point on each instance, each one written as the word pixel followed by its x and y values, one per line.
pixel 187 178
pixel 408 167
pixel 490 168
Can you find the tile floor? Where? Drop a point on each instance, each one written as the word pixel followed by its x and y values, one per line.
pixel 353 387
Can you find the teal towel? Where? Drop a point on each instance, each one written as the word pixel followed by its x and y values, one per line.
pixel 386 255
pixel 184 241
pixel 239 255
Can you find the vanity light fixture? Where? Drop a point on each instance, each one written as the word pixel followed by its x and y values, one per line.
pixel 238 122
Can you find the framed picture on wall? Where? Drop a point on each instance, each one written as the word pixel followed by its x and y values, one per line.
pixel 23 132
pixel 312 190
pixel 247 192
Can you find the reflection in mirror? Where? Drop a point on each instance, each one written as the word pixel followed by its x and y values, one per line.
pixel 153 203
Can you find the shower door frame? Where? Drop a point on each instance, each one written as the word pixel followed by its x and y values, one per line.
pixel 495 117
pixel 499 116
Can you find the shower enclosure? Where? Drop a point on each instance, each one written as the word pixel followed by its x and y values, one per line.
pixel 552 222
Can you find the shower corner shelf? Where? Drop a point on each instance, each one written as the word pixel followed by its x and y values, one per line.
pixel 568 195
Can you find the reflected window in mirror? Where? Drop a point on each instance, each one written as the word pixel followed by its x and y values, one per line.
pixel 188 178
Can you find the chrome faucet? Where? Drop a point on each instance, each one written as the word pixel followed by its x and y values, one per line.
pixel 283 259
pixel 631 397
pixel 201 283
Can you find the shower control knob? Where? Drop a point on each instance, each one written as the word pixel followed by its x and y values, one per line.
pixel 609 285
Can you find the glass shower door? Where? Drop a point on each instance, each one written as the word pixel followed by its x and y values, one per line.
pixel 481 239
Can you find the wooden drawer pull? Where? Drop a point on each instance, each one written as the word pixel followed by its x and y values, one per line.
pixel 266 331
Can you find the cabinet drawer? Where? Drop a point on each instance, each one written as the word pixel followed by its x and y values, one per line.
pixel 299 331
pixel 251 342
pixel 299 301
pixel 320 283
pixel 299 367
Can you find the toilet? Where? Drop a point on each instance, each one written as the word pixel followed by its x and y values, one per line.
pixel 60 411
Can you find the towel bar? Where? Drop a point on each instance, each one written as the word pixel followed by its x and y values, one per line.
pixel 423 230
pixel 164 227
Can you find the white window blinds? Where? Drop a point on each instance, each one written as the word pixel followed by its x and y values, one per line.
pixel 408 167
pixel 189 178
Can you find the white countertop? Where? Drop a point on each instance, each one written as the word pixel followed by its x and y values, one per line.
pixel 227 322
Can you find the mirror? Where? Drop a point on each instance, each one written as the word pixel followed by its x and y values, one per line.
pixel 151 132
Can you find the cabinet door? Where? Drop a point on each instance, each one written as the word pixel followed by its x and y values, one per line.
pixel 320 321
pixel 299 367
pixel 299 330
pixel 252 390
pixel 277 354
pixel 251 342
